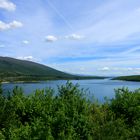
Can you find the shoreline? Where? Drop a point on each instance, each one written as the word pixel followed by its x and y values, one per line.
pixel 37 81
pixel 128 78
pixel 8 82
pixel 26 82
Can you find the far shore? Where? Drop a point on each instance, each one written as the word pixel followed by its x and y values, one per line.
pixel 7 82
pixel 50 79
pixel 132 78
pixel 122 78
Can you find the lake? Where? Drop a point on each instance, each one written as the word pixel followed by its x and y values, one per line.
pixel 97 88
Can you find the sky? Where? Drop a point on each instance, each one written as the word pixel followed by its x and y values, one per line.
pixel 92 37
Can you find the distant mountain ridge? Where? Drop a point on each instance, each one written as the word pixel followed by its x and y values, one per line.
pixel 12 69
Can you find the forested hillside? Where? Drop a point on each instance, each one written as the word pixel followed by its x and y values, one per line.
pixel 19 70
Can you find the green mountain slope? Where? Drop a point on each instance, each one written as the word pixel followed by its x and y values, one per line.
pixel 19 70
pixel 128 78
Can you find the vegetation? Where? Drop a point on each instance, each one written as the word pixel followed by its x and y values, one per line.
pixel 129 78
pixel 69 115
pixel 18 70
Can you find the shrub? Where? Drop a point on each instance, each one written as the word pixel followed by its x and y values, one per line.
pixel 69 115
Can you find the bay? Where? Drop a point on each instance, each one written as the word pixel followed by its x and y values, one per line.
pixel 97 88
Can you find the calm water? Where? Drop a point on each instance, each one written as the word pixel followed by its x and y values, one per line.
pixel 97 88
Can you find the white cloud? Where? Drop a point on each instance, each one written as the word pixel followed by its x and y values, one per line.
pixel 11 25
pixel 138 69
pixel 123 70
pixel 15 24
pixel 117 69
pixel 129 69
pixel 7 5
pixel 74 37
pixel 28 58
pixel 105 69
pixel 26 42
pixel 51 38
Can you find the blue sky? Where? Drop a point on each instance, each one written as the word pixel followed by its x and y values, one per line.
pixel 95 37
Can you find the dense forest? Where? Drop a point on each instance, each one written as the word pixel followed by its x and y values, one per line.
pixel 128 78
pixel 69 115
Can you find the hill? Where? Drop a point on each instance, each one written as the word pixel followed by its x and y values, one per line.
pixel 20 70
pixel 128 78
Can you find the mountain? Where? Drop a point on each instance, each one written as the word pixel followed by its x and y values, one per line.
pixel 20 70
pixel 128 78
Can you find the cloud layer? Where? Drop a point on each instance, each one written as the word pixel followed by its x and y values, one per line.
pixel 102 38
pixel 26 42
pixel 50 38
pixel 74 37
pixel 11 25
pixel 7 5
pixel 28 58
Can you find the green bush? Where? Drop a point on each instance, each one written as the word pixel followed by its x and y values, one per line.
pixel 69 115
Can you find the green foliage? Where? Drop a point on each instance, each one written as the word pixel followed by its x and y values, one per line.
pixel 128 78
pixel 69 115
pixel 126 106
